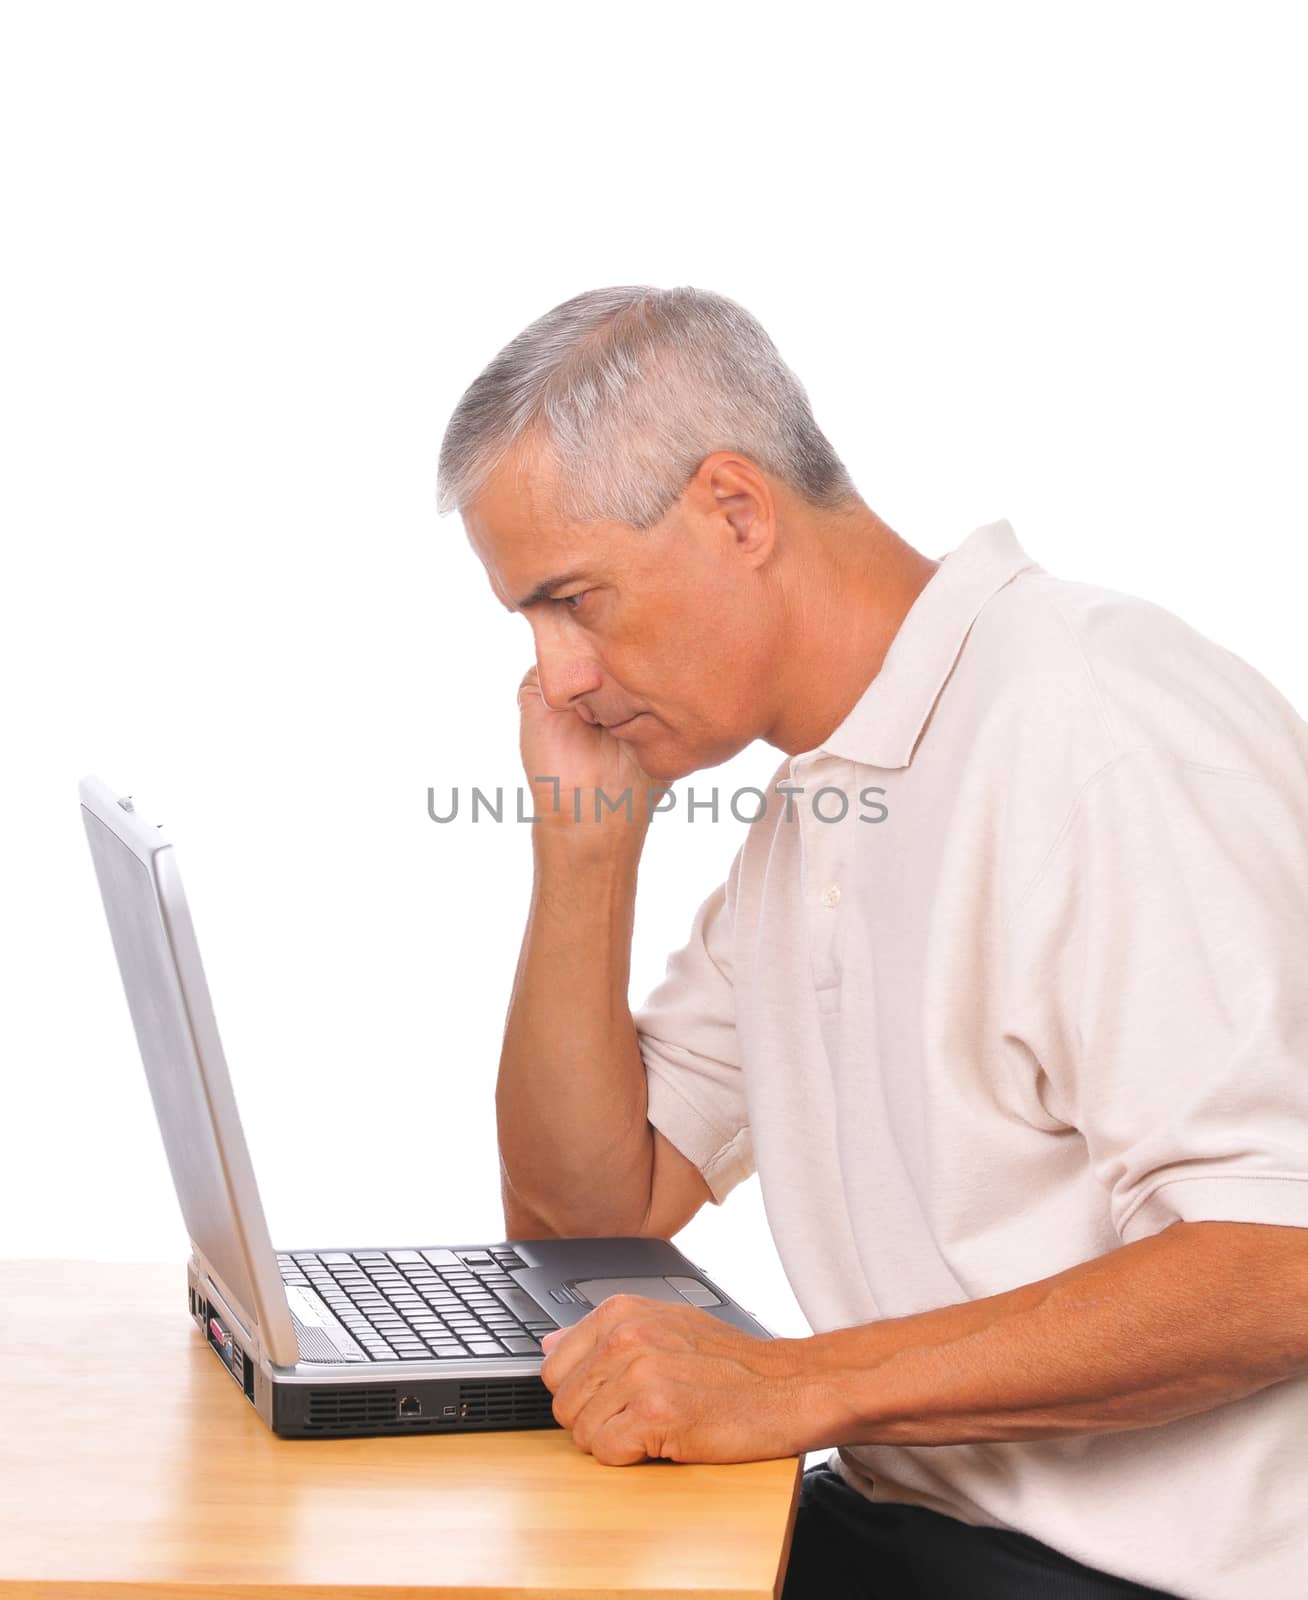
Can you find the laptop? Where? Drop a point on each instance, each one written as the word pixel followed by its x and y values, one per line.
pixel 330 1340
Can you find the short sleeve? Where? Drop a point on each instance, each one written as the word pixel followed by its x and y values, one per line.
pixel 687 1035
pixel 1157 969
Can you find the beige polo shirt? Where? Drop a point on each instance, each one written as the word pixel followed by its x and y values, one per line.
pixel 1055 999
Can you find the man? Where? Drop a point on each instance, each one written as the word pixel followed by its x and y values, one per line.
pixel 1016 1039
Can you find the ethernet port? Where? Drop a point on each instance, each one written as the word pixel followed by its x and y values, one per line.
pixel 410 1406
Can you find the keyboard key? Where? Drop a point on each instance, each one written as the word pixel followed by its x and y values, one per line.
pixel 521 1304
pixel 486 1347
pixel 398 1256
pixel 521 1344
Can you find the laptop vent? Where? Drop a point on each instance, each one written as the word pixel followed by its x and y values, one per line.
pixel 370 1407
pixel 524 1402
pixel 527 1401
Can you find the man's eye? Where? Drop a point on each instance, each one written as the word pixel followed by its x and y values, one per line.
pixel 571 600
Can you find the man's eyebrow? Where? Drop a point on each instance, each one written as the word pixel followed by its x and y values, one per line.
pixel 542 591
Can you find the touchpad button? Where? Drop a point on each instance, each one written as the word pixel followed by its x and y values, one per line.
pixel 677 1290
pixel 694 1291
pixel 597 1289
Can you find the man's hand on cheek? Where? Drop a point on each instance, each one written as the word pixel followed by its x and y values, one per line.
pixel 640 1379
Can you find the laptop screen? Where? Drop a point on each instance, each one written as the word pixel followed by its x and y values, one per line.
pixel 183 1058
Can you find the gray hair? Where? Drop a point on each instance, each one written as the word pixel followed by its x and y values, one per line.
pixel 626 390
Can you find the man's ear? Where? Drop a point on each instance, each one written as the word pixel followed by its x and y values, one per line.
pixel 732 491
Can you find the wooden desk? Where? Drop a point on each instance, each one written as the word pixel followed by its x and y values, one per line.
pixel 130 1464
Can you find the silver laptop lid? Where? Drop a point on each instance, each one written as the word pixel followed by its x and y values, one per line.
pixel 184 1064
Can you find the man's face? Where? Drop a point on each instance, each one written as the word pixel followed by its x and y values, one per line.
pixel 667 626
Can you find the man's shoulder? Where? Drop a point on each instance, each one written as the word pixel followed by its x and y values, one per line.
pixel 1132 674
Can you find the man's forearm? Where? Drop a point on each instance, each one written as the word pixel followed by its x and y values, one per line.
pixel 575 1145
pixel 1177 1323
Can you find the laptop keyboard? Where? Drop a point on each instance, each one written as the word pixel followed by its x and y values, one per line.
pixel 413 1305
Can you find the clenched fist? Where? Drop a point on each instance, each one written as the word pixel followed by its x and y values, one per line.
pixel 640 1379
pixel 567 760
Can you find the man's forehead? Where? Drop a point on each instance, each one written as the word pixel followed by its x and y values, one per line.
pixel 515 496
pixel 525 546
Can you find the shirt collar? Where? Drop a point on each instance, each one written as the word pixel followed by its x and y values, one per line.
pixel 883 728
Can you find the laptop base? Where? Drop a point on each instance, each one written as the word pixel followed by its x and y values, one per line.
pixel 417 1405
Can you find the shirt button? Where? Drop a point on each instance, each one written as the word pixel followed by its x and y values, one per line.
pixel 831 895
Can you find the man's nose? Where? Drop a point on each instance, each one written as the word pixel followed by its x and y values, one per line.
pixel 564 672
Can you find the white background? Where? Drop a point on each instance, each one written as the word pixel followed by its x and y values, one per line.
pixel 1036 262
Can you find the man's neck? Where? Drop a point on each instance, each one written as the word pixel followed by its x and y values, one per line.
pixel 859 582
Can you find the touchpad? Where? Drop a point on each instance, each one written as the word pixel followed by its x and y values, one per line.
pixel 679 1290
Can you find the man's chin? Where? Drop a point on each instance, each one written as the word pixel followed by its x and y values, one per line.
pixel 667 760
pixel 670 765
pixel 668 771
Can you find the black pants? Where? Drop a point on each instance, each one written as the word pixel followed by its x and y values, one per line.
pixel 847 1547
